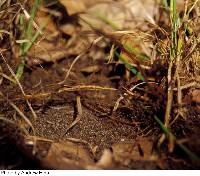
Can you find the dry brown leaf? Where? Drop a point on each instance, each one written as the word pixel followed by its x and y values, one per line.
pixel 196 97
pixel 42 54
pixel 121 14
pixel 68 155
pixel 106 160
pixel 46 51
pixel 104 16
pixel 142 10
pixel 42 18
pixel 140 150
pixel 136 47
pixel 73 6
pixel 91 69
pixel 77 6
pixel 68 29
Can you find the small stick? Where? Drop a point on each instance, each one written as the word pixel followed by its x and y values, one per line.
pixel 78 57
pixel 84 87
pixel 19 84
pixel 122 96
pixel 78 117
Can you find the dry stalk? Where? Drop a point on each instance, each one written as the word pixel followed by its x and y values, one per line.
pixel 78 117
pixel 28 17
pixel 73 63
pixel 85 87
pixel 22 115
pixel 30 139
pixel 189 85
pixel 19 84
pixel 40 95
pixel 169 94
pixel 78 57
pixel 111 55
pixel 179 92
pixel 125 94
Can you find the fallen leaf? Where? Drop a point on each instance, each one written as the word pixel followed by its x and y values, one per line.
pixel 136 52
pixel 106 160
pixel 140 150
pixel 68 155
pixel 68 29
pixel 46 51
pixel 91 69
pixel 77 6
pixel 73 6
pixel 196 98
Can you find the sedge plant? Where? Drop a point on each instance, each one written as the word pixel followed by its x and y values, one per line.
pixel 28 37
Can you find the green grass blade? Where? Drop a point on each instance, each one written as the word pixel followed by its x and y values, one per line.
pixel 20 68
pixel 165 4
pixel 25 50
pixel 35 8
pixel 33 14
pixel 193 156
pixel 173 19
pixel 21 23
pixel 141 56
pixel 34 38
pixel 25 46
pixel 130 67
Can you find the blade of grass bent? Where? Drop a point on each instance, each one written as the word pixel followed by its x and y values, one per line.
pixel 172 137
pixel 129 66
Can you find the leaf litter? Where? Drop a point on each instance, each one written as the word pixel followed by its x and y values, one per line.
pixel 94 79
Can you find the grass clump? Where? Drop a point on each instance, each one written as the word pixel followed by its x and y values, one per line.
pixel 27 36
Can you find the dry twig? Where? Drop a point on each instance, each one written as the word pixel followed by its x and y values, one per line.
pixel 19 84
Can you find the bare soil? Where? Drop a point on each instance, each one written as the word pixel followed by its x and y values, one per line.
pixel 99 126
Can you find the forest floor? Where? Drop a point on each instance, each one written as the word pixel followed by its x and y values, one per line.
pixel 99 84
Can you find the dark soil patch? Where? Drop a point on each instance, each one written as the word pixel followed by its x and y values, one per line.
pixel 113 109
pixel 99 127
